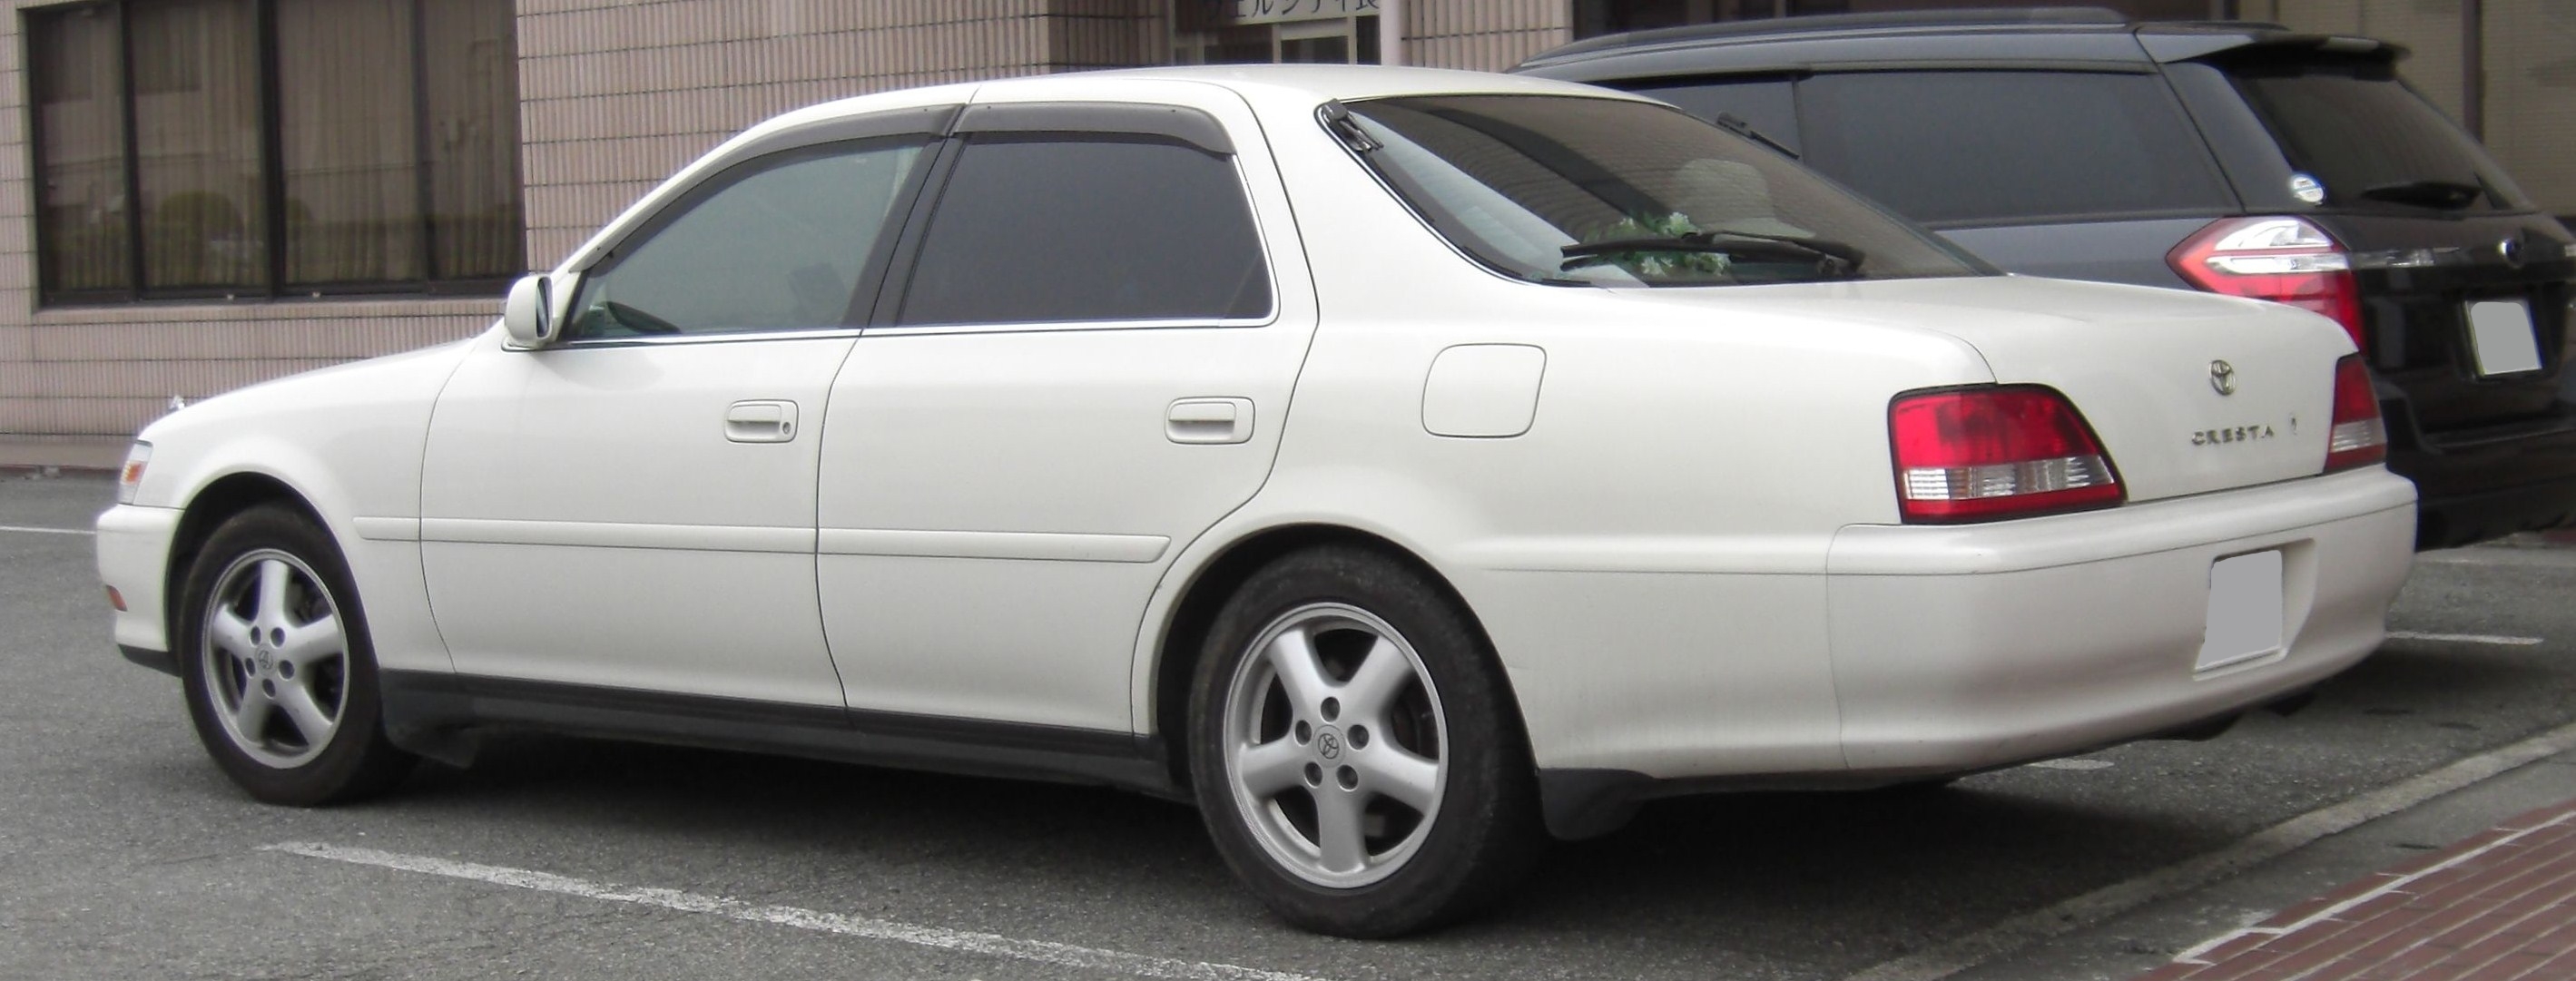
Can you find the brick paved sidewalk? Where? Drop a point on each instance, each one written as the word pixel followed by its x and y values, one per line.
pixel 2500 906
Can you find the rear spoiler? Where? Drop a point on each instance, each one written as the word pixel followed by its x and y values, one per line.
pixel 2167 48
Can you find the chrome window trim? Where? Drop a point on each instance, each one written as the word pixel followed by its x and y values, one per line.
pixel 1035 326
pixel 712 337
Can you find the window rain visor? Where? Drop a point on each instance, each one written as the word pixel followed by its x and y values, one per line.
pixel 1605 192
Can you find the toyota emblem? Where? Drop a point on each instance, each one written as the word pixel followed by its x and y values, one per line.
pixel 1329 744
pixel 2222 377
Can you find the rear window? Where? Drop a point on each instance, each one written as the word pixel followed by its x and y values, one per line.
pixel 1993 147
pixel 1584 191
pixel 2370 140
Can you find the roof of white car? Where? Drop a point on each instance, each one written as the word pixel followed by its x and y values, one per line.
pixel 1332 81
pixel 1319 82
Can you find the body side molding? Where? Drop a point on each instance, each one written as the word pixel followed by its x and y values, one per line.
pixel 436 714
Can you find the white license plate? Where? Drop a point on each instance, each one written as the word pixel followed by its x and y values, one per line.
pixel 2244 610
pixel 2500 336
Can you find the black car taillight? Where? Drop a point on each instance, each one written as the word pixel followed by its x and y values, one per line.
pixel 2284 260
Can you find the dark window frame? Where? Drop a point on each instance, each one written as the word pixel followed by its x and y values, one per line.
pixel 272 181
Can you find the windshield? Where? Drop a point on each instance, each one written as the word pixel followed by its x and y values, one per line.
pixel 1583 191
pixel 2371 141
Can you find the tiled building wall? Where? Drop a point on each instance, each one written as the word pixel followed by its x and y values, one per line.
pixel 1483 35
pixel 105 371
pixel 615 94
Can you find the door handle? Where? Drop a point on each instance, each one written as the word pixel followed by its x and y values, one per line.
pixel 760 421
pixel 1209 421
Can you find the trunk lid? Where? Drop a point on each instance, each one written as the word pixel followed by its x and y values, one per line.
pixel 2142 364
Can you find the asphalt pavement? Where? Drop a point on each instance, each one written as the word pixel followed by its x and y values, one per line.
pixel 124 854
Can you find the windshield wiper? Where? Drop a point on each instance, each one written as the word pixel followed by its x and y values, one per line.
pixel 1833 259
pixel 1850 254
pixel 1735 124
pixel 2441 194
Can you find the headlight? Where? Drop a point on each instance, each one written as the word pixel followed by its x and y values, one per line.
pixel 129 478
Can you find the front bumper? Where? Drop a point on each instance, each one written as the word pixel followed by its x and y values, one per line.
pixel 134 559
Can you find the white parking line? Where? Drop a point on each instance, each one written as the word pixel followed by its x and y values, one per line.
pixel 2465 638
pixel 2072 764
pixel 992 945
pixel 47 531
pixel 2193 873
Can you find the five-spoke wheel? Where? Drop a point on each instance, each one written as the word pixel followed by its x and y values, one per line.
pixel 276 657
pixel 1355 748
pixel 1334 745
pixel 281 680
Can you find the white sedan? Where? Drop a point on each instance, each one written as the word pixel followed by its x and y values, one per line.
pixel 1402 465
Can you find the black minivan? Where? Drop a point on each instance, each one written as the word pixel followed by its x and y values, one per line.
pixel 2238 158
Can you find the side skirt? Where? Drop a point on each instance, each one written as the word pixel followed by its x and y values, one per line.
pixel 436 715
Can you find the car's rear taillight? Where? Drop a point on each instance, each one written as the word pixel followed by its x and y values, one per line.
pixel 1990 452
pixel 2284 260
pixel 2358 436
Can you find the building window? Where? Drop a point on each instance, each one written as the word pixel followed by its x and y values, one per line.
pixel 265 148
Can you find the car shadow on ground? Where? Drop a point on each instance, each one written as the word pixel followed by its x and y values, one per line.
pixel 1759 875
pixel 1750 873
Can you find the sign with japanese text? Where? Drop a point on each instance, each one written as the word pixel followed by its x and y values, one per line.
pixel 1275 11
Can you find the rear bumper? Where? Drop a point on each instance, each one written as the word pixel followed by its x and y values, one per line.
pixel 1967 648
pixel 2464 519
pixel 1964 649
pixel 2474 489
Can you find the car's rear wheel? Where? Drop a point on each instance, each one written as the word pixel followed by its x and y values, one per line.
pixel 1356 750
pixel 280 678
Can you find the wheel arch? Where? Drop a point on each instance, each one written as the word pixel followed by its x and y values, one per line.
pixel 207 510
pixel 1185 628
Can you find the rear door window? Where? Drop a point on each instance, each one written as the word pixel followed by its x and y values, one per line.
pixel 1061 228
pixel 2371 141
pixel 2003 147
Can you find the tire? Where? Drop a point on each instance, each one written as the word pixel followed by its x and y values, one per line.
pixel 1381 783
pixel 279 674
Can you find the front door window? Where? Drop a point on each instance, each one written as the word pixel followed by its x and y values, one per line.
pixel 778 244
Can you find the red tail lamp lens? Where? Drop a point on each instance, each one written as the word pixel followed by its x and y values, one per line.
pixel 2359 437
pixel 1983 454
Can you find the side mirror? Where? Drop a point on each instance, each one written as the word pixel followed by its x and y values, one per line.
pixel 529 314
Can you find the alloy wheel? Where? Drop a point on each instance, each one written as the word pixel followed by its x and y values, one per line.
pixel 1335 746
pixel 276 658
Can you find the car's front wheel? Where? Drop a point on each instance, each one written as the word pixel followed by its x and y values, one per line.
pixel 280 678
pixel 1356 750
